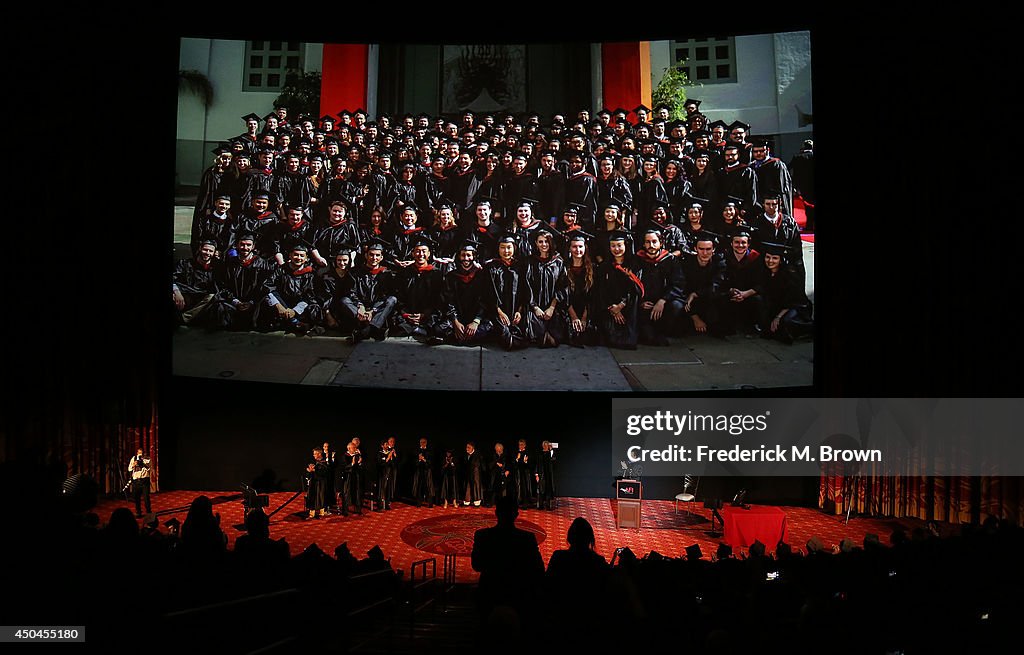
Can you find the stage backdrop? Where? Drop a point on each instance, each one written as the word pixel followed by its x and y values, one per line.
pixel 484 78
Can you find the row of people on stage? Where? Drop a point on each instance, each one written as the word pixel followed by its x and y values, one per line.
pixel 337 481
pixel 534 285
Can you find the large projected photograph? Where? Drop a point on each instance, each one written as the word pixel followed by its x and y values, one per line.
pixel 613 217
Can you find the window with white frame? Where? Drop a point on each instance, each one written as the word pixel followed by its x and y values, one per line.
pixel 710 60
pixel 268 62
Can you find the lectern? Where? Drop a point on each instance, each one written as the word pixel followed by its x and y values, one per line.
pixel 628 495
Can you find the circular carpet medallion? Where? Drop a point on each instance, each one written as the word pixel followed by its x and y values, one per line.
pixel 453 534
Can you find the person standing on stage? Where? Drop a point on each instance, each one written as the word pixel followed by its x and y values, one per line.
pixel 387 471
pixel 352 486
pixel 449 480
pixel 501 474
pixel 316 478
pixel 138 467
pixel 545 477
pixel 330 490
pixel 524 475
pixel 423 478
pixel 474 475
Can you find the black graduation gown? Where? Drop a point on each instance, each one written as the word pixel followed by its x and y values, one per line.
pixel 196 282
pixel 259 179
pixel 387 475
pixel 617 284
pixel 214 228
pixel 614 188
pixel 241 282
pixel 580 299
pixel 678 191
pixel 524 237
pixel 448 241
pixel 435 189
pixel 284 237
pixel 523 465
pixel 652 191
pixel 672 238
pixel 333 239
pixel 338 188
pixel 488 188
pixel 209 186
pixel 551 194
pixel 371 290
pixel 235 185
pixel 502 478
pixel 316 486
pixel 517 186
pixel 508 289
pixel 260 226
pixel 787 233
pixel 402 240
pixel 423 476
pixel 463 298
pixel 773 177
pixel 582 188
pixel 333 290
pixel 548 281
pixel 400 196
pixel 485 239
pixel 460 188
pixel 708 282
pixel 419 292
pixel 449 482
pixel 473 476
pixel 740 181
pixel 353 474
pixel 292 188
pixel 292 288
pixel 784 291
pixel 546 476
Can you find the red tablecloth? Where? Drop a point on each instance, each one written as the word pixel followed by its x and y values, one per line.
pixel 762 523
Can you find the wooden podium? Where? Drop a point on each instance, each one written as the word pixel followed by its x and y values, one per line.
pixel 628 495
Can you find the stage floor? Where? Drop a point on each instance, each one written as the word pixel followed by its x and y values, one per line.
pixel 408 534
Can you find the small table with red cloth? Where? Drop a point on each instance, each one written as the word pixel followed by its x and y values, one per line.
pixel 741 527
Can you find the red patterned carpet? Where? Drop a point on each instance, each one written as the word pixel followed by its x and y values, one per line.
pixel 408 534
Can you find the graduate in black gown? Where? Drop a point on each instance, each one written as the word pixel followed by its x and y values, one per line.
pixel 260 221
pixel 672 238
pixel 743 267
pixel 242 285
pixel 611 185
pixel 704 288
pixel 316 479
pixel 341 234
pixel 546 276
pixel 211 185
pixel 774 226
pixel 336 283
pixel 502 480
pixel 217 224
pixel 581 276
pixel 525 476
pixel 423 476
pixel 472 477
pixel 508 295
pixel 449 480
pixel 581 188
pixel 294 230
pixel 352 470
pixel 195 286
pixel 483 232
pixel 387 474
pixel 372 299
pixel 464 301
pixel 550 187
pixel 773 176
pixel 544 476
pixel 737 179
pixel 419 292
pixel 661 304
pixel 787 313
pixel 292 302
pixel 446 233
pixel 619 290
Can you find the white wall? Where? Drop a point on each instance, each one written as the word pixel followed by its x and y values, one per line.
pixel 773 75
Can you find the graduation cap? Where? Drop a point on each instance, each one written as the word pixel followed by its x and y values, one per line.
pixel 707 235
pixel 641 107
pixel 779 249
pixel 692 101
pixel 507 237
pixel 612 204
pixel 251 117
pixel 718 123
pixel 696 134
pixel 738 124
pixel 519 154
pixel 651 158
pixel 693 553
pixel 245 236
pixel 771 195
pixel 620 235
pixel 761 142
pixel 572 208
pixel 731 146
pixel 376 243
pixel 359 111
pixel 221 150
pixel 439 157
pixel 528 202
pixel 663 105
pixel 327 118
pixel 734 201
pixel 261 194
pixel 698 202
pixel 273 115
pixel 424 239
pixel 570 235
pixel 468 245
pixel 289 206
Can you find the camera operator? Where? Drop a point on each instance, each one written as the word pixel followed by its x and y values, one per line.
pixel 138 467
